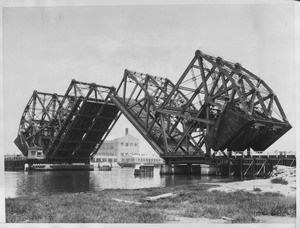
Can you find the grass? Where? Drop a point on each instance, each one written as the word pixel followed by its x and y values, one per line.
pixel 192 201
pixel 279 180
pixel 77 208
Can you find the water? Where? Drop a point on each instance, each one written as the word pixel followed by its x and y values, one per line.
pixel 46 183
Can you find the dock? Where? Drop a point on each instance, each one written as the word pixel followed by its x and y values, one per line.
pixel 256 166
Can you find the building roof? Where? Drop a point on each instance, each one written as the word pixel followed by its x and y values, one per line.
pixel 128 136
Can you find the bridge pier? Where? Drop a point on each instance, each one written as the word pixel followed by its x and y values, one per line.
pixel 166 169
pixel 208 169
pixel 196 169
pixel 182 169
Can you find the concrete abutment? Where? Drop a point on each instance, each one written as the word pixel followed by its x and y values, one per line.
pixel 195 169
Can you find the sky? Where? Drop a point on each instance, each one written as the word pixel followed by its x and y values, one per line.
pixel 44 48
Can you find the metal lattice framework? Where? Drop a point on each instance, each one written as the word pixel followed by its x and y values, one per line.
pixel 36 126
pixel 247 112
pixel 140 96
pixel 79 124
pixel 215 105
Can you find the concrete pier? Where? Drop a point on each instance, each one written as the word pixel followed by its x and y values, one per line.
pixel 196 169
pixel 166 169
pixel 188 169
pixel 182 169
pixel 208 169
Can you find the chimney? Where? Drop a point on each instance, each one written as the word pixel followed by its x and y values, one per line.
pixel 126 131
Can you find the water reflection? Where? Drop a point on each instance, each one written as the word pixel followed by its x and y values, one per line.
pixel 51 182
pixel 45 183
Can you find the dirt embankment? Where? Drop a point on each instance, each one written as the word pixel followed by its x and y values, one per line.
pixel 287 185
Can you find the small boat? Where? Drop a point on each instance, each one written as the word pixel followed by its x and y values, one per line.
pixel 143 169
pixel 105 166
pixel 126 164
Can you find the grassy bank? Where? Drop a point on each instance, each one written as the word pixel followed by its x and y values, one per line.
pixel 192 201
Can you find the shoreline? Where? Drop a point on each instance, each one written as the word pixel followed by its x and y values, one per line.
pixel 257 185
pixel 229 202
pixel 286 187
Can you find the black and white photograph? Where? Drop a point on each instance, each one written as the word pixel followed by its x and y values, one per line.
pixel 161 113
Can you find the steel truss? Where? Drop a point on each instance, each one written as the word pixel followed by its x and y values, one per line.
pixel 140 97
pixel 215 104
pixel 36 125
pixel 247 112
pixel 81 121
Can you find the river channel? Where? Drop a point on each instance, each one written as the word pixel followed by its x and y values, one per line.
pixel 46 182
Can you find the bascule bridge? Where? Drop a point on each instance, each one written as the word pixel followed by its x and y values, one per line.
pixel 215 105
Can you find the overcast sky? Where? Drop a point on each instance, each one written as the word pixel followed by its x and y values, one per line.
pixel 44 48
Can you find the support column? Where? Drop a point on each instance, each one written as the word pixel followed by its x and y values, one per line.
pixel 248 152
pixel 241 167
pixel 182 169
pixel 196 169
pixel 208 169
pixel 166 169
pixel 229 167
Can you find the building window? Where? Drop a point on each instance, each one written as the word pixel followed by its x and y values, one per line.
pixel 122 154
pixel 126 144
pixel 131 144
pixel 122 143
pixel 110 160
pixel 115 160
pixel 39 154
pixel 135 144
pixel 104 159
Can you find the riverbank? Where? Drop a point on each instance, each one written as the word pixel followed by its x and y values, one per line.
pixel 194 203
pixel 283 178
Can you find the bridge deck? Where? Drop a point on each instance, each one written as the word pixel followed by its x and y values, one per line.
pixel 83 130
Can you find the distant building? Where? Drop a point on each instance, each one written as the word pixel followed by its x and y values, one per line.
pixel 33 153
pixel 141 158
pixel 14 156
pixel 124 149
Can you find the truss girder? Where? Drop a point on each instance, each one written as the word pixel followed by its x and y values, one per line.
pixel 215 104
pixel 139 98
pixel 215 88
pixel 36 125
pixel 71 127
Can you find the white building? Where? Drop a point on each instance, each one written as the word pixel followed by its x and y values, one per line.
pixel 125 149
pixel 14 156
pixel 141 159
